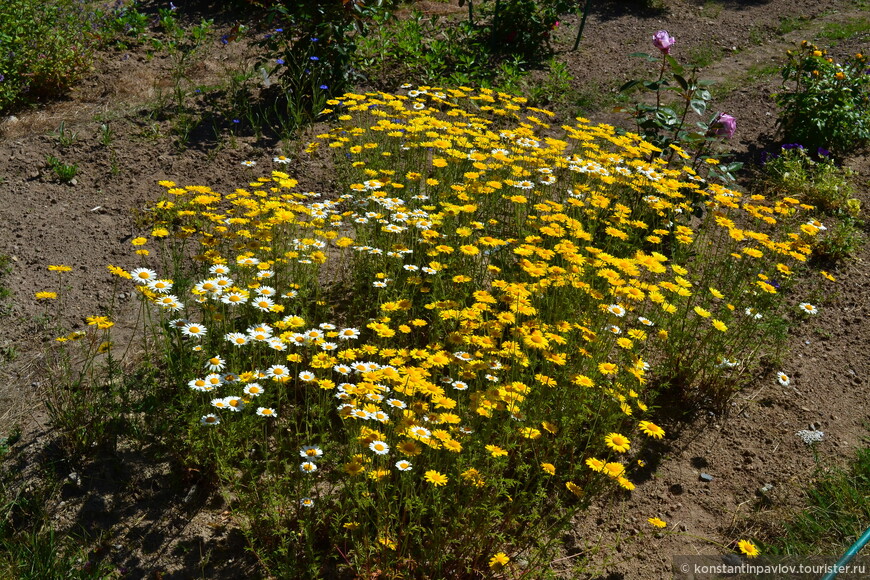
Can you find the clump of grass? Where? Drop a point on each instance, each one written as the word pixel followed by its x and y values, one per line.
pixel 838 511
pixel 29 546
pixel 845 30
pixel 436 369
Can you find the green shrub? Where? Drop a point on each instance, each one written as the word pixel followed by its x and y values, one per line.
pixel 825 103
pixel 46 49
pixel 308 53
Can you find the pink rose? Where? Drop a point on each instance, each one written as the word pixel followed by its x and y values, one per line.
pixel 724 125
pixel 663 41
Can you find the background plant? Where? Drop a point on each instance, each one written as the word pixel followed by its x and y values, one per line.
pixel 308 52
pixel 828 187
pixel 825 103
pixel 497 45
pixel 46 49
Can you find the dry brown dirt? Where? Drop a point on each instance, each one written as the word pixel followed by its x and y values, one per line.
pixel 152 521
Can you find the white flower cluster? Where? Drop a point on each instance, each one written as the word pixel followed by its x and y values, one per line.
pixel 810 436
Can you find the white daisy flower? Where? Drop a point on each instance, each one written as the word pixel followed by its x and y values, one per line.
pixel 143 275
pixel 215 364
pixel 160 286
pixel 616 310
pixel 236 338
pixel 379 447
pixel 311 452
pixel 253 390
pixel 210 419
pixel 194 330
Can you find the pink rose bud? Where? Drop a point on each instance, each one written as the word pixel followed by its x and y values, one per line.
pixel 724 125
pixel 663 41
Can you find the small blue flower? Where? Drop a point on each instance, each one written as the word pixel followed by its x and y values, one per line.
pixel 279 30
pixel 314 40
pixel 236 121
pixel 324 87
pixel 279 60
pixel 225 39
pixel 823 152
pixel 314 58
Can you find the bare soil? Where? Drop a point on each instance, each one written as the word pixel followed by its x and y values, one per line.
pixel 151 521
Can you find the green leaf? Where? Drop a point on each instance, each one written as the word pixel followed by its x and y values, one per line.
pixel 698 105
pixel 675 66
pixel 629 85
pixel 644 56
pixel 682 81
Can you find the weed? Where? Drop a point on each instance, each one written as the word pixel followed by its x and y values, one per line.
pixel 845 30
pixel 29 546
pixel 5 292
pixel 790 24
pixel 711 9
pixel 65 137
pixel 8 441
pixel 756 35
pixel 182 126
pixel 106 135
pixel 703 55
pixel 62 171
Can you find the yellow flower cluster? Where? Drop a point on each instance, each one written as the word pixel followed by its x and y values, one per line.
pixel 512 283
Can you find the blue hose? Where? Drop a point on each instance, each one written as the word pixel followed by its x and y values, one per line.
pixel 850 553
